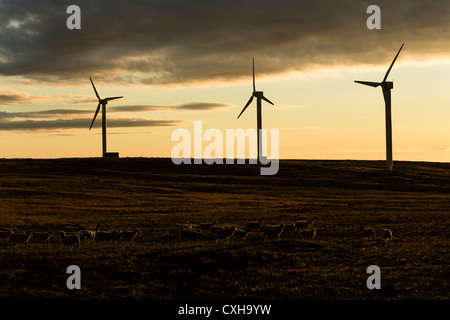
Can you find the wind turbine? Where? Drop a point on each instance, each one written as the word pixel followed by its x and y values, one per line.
pixel 102 102
pixel 386 86
pixel 259 96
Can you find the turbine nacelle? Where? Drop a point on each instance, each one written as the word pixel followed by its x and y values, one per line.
pixel 105 101
pixel 258 94
pixel 388 85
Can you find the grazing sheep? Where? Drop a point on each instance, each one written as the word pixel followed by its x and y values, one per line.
pixel 308 233
pixel 368 232
pixel 268 226
pixel 88 234
pixel 41 236
pixel 206 226
pixel 21 238
pixel 272 232
pixel 130 235
pixel 253 225
pixel 240 234
pixel 386 235
pixel 215 229
pixel 225 233
pixel 289 228
pixel 303 224
pixel 97 229
pixel 72 240
pixel 107 235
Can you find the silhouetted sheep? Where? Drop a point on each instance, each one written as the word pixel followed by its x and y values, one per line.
pixel 240 234
pixel 303 224
pixel 72 240
pixel 107 235
pixel 225 233
pixel 308 234
pixel 253 225
pixel 41 236
pixel 272 232
pixel 20 238
pixel 206 226
pixel 130 235
pixel 386 235
pixel 368 232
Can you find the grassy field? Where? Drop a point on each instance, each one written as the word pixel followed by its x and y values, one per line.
pixel 154 195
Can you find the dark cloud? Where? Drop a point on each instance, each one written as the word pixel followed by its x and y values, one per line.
pixel 193 106
pixel 137 108
pixel 13 97
pixel 63 118
pixel 55 113
pixel 61 113
pixel 175 41
pixel 35 125
pixel 10 97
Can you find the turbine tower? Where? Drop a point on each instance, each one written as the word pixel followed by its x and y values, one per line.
pixel 102 102
pixel 259 96
pixel 386 86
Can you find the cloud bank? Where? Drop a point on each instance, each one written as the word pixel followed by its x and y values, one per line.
pixel 45 125
pixel 14 97
pixel 161 42
pixel 69 118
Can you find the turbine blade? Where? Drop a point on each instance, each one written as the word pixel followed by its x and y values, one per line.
pixel 96 93
pixel 96 112
pixel 112 98
pixel 248 103
pixel 267 100
pixel 254 87
pixel 392 64
pixel 368 83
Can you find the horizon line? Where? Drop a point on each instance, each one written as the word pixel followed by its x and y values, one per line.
pixel 223 159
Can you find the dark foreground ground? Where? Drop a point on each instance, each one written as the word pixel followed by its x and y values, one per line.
pixel 154 195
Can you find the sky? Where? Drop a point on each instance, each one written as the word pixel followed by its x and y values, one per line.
pixel 176 62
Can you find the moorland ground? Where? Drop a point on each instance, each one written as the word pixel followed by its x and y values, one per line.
pixel 154 195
